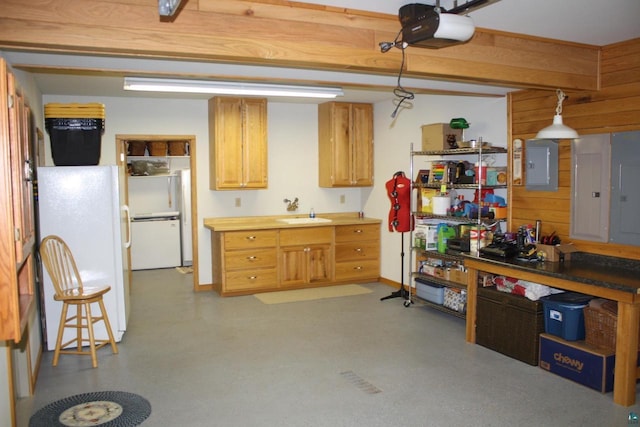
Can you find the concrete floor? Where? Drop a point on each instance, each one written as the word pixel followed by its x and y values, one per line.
pixel 203 360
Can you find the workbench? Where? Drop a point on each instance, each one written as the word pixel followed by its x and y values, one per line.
pixel 613 278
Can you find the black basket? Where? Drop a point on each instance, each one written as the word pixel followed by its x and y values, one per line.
pixel 75 142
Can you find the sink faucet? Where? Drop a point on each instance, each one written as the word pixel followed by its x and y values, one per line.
pixel 292 206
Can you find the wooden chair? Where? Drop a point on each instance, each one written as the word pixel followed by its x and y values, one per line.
pixel 67 282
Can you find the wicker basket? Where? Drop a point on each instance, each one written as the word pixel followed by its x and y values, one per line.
pixel 177 148
pixel 600 328
pixel 157 148
pixel 137 148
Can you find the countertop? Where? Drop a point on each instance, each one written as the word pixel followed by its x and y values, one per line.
pixel 272 222
pixel 598 270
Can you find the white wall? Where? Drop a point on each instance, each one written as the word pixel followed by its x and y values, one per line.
pixel 293 148
pixel 487 118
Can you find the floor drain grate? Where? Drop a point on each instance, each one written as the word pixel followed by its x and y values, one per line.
pixel 359 382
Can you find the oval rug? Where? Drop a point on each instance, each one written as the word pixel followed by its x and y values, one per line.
pixel 102 408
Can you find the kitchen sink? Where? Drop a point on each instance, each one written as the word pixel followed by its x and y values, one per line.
pixel 304 220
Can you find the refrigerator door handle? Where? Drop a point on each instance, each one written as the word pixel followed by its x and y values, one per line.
pixel 126 210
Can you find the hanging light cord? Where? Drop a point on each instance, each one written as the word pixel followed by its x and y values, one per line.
pixel 561 97
pixel 402 95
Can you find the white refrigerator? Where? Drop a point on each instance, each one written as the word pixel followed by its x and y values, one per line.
pixel 83 205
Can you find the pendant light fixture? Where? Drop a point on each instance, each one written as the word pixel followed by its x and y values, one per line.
pixel 558 130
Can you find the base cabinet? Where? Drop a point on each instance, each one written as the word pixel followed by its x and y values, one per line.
pixel 246 262
pixel 357 252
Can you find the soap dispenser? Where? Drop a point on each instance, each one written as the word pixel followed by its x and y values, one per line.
pixel 312 213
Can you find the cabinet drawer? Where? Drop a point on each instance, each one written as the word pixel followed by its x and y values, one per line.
pixel 358 251
pixel 357 232
pixel 250 258
pixel 249 239
pixel 305 236
pixel 242 280
pixel 357 270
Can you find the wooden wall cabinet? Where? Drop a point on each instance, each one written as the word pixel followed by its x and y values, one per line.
pixel 17 232
pixel 357 251
pixel 345 142
pixel 238 143
pixel 305 256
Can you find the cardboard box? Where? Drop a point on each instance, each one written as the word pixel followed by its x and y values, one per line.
pixel 457 276
pixel 425 198
pixel 574 360
pixel 430 233
pixel 554 253
pixel 455 299
pixel 434 136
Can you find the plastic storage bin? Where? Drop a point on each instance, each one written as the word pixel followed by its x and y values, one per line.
pixel 430 291
pixel 564 316
pixel 75 131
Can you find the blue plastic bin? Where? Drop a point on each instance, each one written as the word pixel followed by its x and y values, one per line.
pixel 564 316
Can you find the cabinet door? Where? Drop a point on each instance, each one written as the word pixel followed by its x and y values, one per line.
pixel 226 156
pixel 590 185
pixel 238 148
pixel 305 264
pixel 21 170
pixel 345 142
pixel 254 158
pixel 362 144
pixel 342 145
pixel 625 199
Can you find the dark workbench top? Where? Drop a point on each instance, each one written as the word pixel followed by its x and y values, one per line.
pixel 592 269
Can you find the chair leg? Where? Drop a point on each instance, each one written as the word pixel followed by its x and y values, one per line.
pixel 107 324
pixel 63 321
pixel 79 326
pixel 92 342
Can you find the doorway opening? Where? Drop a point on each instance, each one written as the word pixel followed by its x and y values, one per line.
pixel 171 166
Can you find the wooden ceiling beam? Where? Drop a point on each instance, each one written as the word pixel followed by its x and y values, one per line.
pixel 289 34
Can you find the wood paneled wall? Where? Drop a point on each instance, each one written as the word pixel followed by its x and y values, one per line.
pixel 614 108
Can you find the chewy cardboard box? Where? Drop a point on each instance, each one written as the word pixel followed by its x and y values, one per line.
pixel 553 252
pixel 575 360
pixel 434 136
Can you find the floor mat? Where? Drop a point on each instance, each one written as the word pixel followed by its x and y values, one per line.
pixel 107 408
pixel 311 294
pixel 185 270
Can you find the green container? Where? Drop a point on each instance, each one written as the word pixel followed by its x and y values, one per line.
pixel 445 232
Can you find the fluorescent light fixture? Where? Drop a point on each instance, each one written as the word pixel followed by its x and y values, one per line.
pixel 168 7
pixel 558 130
pixel 229 88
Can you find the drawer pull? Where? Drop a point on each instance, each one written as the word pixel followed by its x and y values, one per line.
pixel 357 268
pixel 358 249
pixel 251 238
pixel 252 258
pixel 359 230
pixel 252 277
